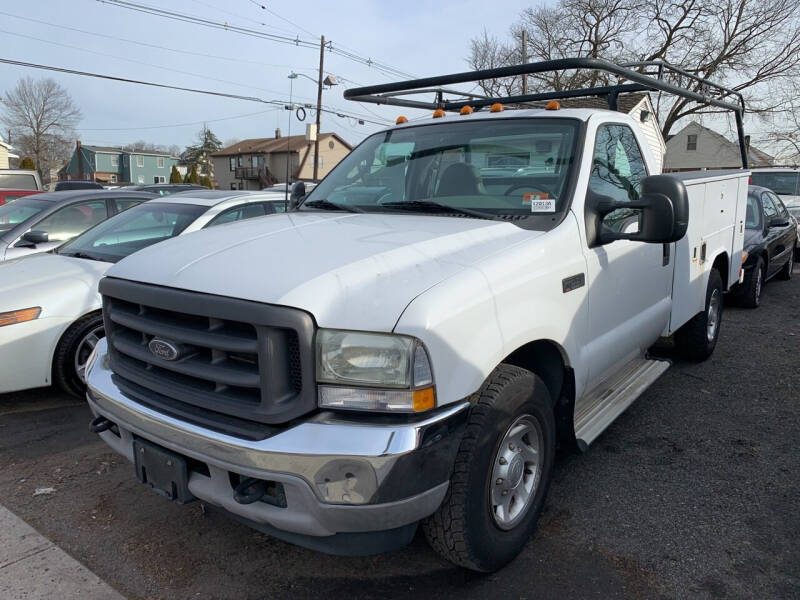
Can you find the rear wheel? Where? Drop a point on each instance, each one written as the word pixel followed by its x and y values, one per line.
pixel 697 339
pixel 786 272
pixel 501 474
pixel 72 352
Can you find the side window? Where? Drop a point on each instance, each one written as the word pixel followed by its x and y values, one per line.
pixel 753 220
pixel 618 169
pixel 769 208
pixel 73 220
pixel 246 211
pixel 124 204
pixel 778 205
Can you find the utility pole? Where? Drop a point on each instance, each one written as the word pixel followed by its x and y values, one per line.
pixel 524 61
pixel 319 106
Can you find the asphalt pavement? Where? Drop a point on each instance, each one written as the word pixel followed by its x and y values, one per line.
pixel 693 492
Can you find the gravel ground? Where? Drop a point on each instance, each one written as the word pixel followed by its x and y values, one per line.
pixel 693 492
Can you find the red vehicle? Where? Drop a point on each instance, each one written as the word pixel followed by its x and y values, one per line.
pixel 11 195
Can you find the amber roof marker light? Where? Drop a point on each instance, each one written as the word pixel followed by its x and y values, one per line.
pixel 465 110
pixel 400 120
pixel 438 113
pixel 553 105
pixel 496 107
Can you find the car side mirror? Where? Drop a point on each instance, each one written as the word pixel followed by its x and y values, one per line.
pixel 778 222
pixel 663 213
pixel 31 239
pixel 298 193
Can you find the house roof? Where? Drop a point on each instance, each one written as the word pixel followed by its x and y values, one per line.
pixel 270 145
pixel 755 156
pixel 120 150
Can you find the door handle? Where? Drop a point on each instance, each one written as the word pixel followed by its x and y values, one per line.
pixel 665 255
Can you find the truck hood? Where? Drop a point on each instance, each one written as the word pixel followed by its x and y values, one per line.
pixel 349 271
pixel 61 285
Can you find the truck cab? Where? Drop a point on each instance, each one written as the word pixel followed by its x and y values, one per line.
pixel 410 342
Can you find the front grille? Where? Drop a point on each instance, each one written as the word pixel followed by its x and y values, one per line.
pixel 244 359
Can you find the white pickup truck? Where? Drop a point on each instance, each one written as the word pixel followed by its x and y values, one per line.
pixel 408 345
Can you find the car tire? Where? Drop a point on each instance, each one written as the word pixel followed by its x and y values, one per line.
pixel 786 271
pixel 72 351
pixel 697 339
pixel 476 527
pixel 753 286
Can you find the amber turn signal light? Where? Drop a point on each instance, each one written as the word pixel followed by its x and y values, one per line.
pixel 423 399
pixel 20 316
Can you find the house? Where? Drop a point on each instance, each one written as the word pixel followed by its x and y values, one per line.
pixel 696 147
pixel 5 154
pixel 115 165
pixel 638 106
pixel 255 163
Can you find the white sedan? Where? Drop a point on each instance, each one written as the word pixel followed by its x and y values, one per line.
pixel 50 310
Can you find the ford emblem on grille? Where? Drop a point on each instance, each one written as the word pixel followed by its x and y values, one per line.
pixel 163 349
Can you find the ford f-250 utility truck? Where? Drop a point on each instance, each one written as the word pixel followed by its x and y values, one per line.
pixel 408 343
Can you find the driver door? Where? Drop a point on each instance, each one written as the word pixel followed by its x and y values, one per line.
pixel 629 282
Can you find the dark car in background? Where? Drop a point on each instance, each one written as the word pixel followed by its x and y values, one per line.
pixel 62 186
pixel 40 223
pixel 165 189
pixel 769 243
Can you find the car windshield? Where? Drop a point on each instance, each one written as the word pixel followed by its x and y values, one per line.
pixel 132 230
pixel 14 213
pixel 782 183
pixel 474 168
pixel 753 219
pixel 18 181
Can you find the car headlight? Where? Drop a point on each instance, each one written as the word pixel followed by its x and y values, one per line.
pixel 20 316
pixel 373 371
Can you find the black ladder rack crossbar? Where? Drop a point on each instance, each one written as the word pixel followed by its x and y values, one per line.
pixel 725 98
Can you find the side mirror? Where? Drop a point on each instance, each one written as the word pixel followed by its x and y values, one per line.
pixel 298 193
pixel 663 213
pixel 32 238
pixel 778 222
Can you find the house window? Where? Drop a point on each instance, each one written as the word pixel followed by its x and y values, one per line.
pixel 160 162
pixel 233 185
pixel 239 161
pixel 691 142
pixel 159 179
pixel 113 179
pixel 114 160
pixel 233 163
pixel 139 160
pixel 140 179
pixel 254 161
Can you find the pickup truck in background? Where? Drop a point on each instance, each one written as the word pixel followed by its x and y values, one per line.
pixel 16 183
pixel 410 342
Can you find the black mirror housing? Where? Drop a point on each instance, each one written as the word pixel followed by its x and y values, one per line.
pixel 664 205
pixel 298 193
pixel 31 239
pixel 778 222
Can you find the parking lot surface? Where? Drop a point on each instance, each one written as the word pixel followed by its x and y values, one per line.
pixel 692 492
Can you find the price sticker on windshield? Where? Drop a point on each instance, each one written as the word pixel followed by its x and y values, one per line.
pixel 539 201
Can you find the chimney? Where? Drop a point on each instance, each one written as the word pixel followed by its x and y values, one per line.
pixel 79 154
pixel 277 133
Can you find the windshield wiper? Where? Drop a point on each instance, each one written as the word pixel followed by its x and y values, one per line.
pixel 416 205
pixel 85 255
pixel 328 205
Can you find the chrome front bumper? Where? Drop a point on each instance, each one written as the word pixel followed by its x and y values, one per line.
pixel 339 473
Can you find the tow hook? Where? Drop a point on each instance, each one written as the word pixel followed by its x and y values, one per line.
pixel 250 490
pixel 100 424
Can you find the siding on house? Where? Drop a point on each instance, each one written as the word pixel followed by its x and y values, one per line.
pixel 5 154
pixel 712 151
pixel 114 165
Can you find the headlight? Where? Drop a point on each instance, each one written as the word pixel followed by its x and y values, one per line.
pixel 20 316
pixel 373 371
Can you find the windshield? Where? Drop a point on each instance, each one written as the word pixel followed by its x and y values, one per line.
pixel 486 168
pixel 753 219
pixel 785 183
pixel 14 213
pixel 18 181
pixel 132 230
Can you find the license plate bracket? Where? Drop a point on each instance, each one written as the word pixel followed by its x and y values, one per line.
pixel 166 472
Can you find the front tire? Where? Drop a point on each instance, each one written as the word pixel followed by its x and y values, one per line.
pixel 72 351
pixel 697 339
pixel 501 474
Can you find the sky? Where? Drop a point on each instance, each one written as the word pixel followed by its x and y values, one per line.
pixel 417 37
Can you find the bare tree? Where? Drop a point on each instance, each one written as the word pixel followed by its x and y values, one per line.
pixel 42 118
pixel 750 46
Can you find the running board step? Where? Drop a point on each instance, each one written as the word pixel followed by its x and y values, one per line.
pixel 611 399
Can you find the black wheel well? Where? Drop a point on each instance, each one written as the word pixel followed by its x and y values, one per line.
pixel 721 264
pixel 91 313
pixel 546 359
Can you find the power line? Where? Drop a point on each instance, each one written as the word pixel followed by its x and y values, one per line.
pixel 228 12
pixel 154 46
pixel 181 17
pixel 281 103
pixel 273 13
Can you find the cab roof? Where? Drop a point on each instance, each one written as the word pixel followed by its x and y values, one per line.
pixel 214 197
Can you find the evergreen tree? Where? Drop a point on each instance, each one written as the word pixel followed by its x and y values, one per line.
pixel 205 180
pixel 200 153
pixel 193 178
pixel 27 163
pixel 174 176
